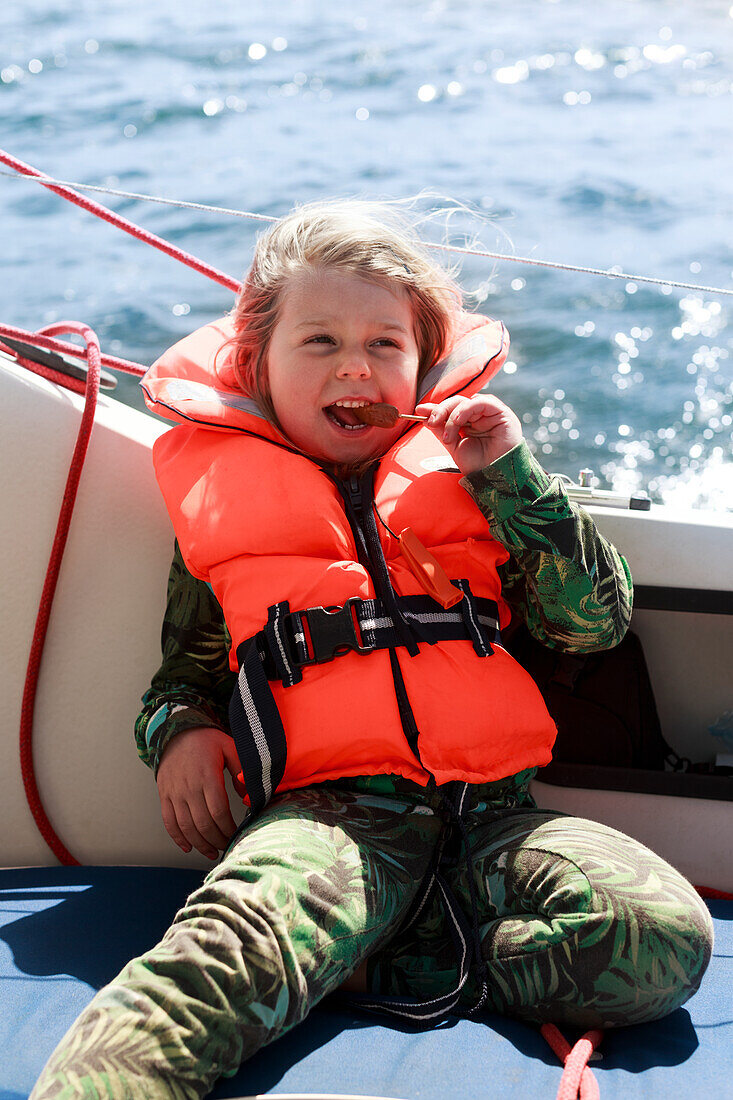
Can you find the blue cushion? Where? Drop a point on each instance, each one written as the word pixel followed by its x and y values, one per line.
pixel 64 932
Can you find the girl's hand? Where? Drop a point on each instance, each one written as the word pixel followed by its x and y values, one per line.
pixel 193 798
pixel 475 430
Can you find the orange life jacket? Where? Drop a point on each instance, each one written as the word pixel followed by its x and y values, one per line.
pixel 273 533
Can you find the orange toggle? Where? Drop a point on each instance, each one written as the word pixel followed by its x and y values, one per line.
pixel 428 571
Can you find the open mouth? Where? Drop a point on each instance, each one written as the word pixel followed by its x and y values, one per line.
pixel 342 414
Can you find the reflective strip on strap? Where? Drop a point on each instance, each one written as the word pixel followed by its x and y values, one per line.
pixel 436 1007
pixel 469 612
pixel 258 733
pixel 475 618
pixel 288 672
pixel 280 651
pixel 385 623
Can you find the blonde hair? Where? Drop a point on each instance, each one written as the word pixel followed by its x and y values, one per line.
pixel 371 240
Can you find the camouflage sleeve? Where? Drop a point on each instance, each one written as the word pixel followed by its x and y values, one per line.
pixel 194 682
pixel 570 585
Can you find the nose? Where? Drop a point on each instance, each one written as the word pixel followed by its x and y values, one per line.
pixel 353 364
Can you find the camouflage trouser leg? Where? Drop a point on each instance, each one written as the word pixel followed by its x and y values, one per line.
pixel 311 888
pixel 579 924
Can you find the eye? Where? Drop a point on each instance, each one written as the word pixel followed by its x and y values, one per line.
pixel 386 341
pixel 320 338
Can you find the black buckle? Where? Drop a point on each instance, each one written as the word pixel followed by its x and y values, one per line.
pixel 332 632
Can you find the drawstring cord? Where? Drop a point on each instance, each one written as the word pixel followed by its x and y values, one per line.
pixel 577 1082
pixel 455 810
pixel 577 1079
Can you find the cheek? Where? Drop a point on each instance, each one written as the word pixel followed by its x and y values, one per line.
pixel 406 385
pixel 295 399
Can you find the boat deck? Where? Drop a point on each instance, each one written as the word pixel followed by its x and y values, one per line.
pixel 67 931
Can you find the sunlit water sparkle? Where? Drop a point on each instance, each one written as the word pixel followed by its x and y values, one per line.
pixel 598 137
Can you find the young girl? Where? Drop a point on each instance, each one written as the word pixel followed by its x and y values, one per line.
pixel 359 579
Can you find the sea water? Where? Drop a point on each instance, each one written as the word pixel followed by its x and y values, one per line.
pixel 595 135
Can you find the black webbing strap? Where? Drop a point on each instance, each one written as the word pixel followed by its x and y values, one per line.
pixel 471 619
pixel 258 733
pixel 380 574
pixel 287 670
pixel 407 715
pixel 292 640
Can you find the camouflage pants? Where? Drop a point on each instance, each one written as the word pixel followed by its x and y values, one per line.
pixel 578 923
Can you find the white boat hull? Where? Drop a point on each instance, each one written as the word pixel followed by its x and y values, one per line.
pixel 103 644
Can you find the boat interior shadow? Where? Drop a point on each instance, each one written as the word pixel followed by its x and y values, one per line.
pixel 85 923
pixel 314 1046
pixel 89 922
pixel 666 1042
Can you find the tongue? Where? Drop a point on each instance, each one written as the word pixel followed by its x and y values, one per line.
pixel 344 416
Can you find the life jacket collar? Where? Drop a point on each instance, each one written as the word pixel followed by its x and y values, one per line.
pixel 194 380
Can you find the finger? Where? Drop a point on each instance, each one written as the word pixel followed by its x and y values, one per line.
pixel 192 834
pixel 476 417
pixel 220 811
pixel 460 419
pixel 234 767
pixel 172 826
pixel 203 820
pixel 440 413
pixel 445 408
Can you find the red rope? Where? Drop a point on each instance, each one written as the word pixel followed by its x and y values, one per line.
pixel 63 347
pixel 93 357
pixel 577 1080
pixel 711 892
pixel 50 375
pixel 108 215
pixel 95 360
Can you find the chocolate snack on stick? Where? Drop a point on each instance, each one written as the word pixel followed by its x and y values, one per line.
pixel 380 415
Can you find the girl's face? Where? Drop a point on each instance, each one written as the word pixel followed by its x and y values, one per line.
pixel 339 340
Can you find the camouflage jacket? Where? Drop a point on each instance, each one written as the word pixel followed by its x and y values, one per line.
pixel 569 585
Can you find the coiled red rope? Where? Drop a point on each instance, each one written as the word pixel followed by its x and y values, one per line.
pixel 91 352
pixel 577 1081
pixel 108 215
pixel 63 347
pixel 94 366
pixel 90 388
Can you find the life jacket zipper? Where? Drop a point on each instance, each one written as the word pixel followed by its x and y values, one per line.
pixel 361 496
pixel 358 495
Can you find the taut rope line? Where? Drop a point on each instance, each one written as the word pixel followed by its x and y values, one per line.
pixel 56 184
pixel 141 197
pixel 577 1080
pixel 108 215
